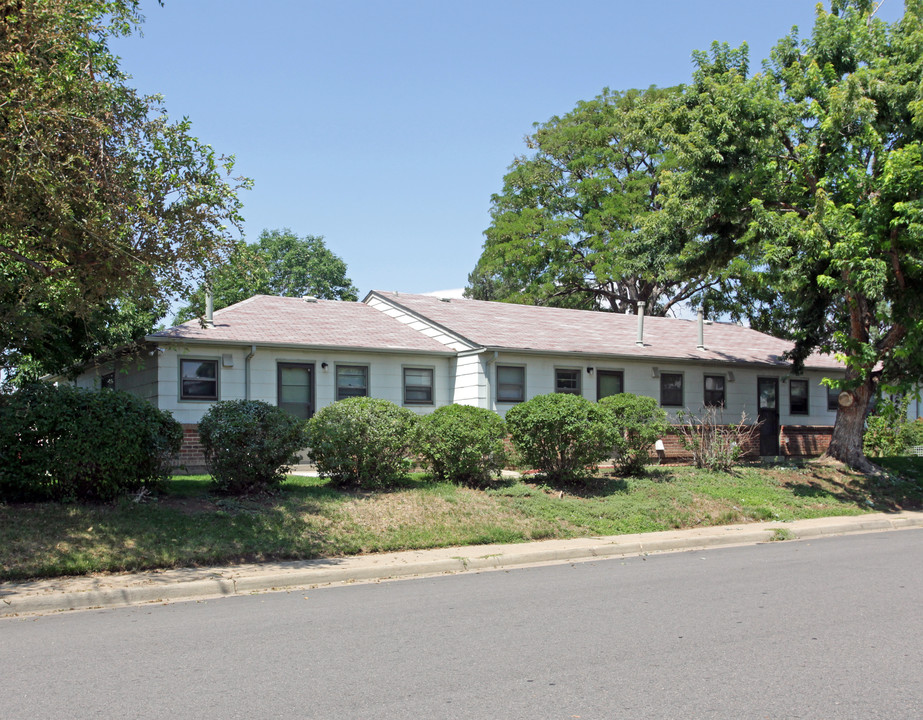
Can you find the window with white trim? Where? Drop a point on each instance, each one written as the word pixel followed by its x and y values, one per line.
pixel 352 381
pixel 567 381
pixel 511 383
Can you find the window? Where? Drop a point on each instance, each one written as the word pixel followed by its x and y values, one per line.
pixel 511 383
pixel 798 397
pixel 714 390
pixel 418 386
pixel 671 389
pixel 108 381
pixel 567 381
pixel 198 379
pixel 296 388
pixel 609 382
pixel 833 399
pixel 352 381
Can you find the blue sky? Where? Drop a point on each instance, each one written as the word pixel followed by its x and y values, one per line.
pixel 386 126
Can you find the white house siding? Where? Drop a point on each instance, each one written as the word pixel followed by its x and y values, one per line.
pixel 385 376
pixel 470 382
pixel 137 375
pixel 740 393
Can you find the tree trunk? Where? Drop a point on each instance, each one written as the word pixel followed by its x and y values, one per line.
pixel 849 429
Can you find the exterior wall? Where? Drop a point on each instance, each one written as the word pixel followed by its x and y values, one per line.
pixel 385 376
pixel 740 392
pixel 137 375
pixel 471 381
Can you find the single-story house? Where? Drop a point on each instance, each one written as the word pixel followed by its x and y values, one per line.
pixel 423 352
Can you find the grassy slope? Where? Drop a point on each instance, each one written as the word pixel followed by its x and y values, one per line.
pixel 188 526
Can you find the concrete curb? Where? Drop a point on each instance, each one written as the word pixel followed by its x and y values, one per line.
pixel 63 594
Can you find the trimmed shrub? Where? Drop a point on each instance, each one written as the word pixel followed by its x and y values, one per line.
pixel 249 445
pixel 639 422
pixel 64 443
pixel 563 436
pixel 463 444
pixel 363 441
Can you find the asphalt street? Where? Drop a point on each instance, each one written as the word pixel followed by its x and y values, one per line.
pixel 827 628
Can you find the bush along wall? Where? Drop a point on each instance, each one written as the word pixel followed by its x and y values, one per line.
pixel 64 443
pixel 464 444
pixel 249 445
pixel 639 422
pixel 563 436
pixel 363 442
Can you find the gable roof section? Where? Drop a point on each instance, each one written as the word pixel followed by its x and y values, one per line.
pixel 286 321
pixel 530 328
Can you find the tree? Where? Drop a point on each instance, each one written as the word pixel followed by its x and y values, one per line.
pixel 279 263
pixel 575 224
pixel 105 204
pixel 812 170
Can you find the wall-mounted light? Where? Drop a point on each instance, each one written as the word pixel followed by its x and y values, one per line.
pixel 730 376
pixel 323 366
pixel 589 371
pixel 655 372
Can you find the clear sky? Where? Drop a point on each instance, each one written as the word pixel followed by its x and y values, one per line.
pixel 386 125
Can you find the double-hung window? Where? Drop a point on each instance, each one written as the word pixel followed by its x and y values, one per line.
pixel 798 397
pixel 511 383
pixel 671 389
pixel 198 379
pixel 567 381
pixel 418 386
pixel 714 390
pixel 833 399
pixel 352 381
pixel 295 383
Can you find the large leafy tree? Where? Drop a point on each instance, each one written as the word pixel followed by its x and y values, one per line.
pixel 812 170
pixel 107 208
pixel 574 225
pixel 279 263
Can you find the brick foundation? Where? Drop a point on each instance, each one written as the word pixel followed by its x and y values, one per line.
pixel 794 441
pixel 191 458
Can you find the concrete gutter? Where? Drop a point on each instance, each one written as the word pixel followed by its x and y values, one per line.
pixel 103 591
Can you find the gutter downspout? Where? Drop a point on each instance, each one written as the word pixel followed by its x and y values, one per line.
pixel 247 372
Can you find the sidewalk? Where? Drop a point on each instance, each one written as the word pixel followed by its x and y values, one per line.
pixel 59 594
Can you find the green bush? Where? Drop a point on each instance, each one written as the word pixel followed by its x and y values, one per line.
pixel 463 444
pixel 362 441
pixel 639 422
pixel 249 445
pixel 563 436
pixel 63 443
pixel 886 428
pixel 912 433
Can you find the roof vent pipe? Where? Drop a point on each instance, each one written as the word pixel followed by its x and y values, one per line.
pixel 209 305
pixel 700 314
pixel 640 340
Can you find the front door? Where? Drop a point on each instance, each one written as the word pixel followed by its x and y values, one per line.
pixel 768 403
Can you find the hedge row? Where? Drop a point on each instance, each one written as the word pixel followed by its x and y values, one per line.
pixel 64 443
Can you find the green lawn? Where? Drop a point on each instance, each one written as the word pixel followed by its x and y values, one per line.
pixel 187 525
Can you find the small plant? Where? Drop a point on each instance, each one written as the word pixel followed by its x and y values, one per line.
pixel 713 443
pixel 64 443
pixel 249 445
pixel 563 436
pixel 464 444
pixel 362 441
pixel 639 422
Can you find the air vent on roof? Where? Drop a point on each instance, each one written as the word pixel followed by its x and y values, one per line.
pixel 309 298
pixel 446 299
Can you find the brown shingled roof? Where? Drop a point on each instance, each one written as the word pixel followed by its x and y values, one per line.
pixel 266 320
pixel 556 330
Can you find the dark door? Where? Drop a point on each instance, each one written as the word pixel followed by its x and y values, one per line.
pixel 768 403
pixel 609 382
pixel 296 388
